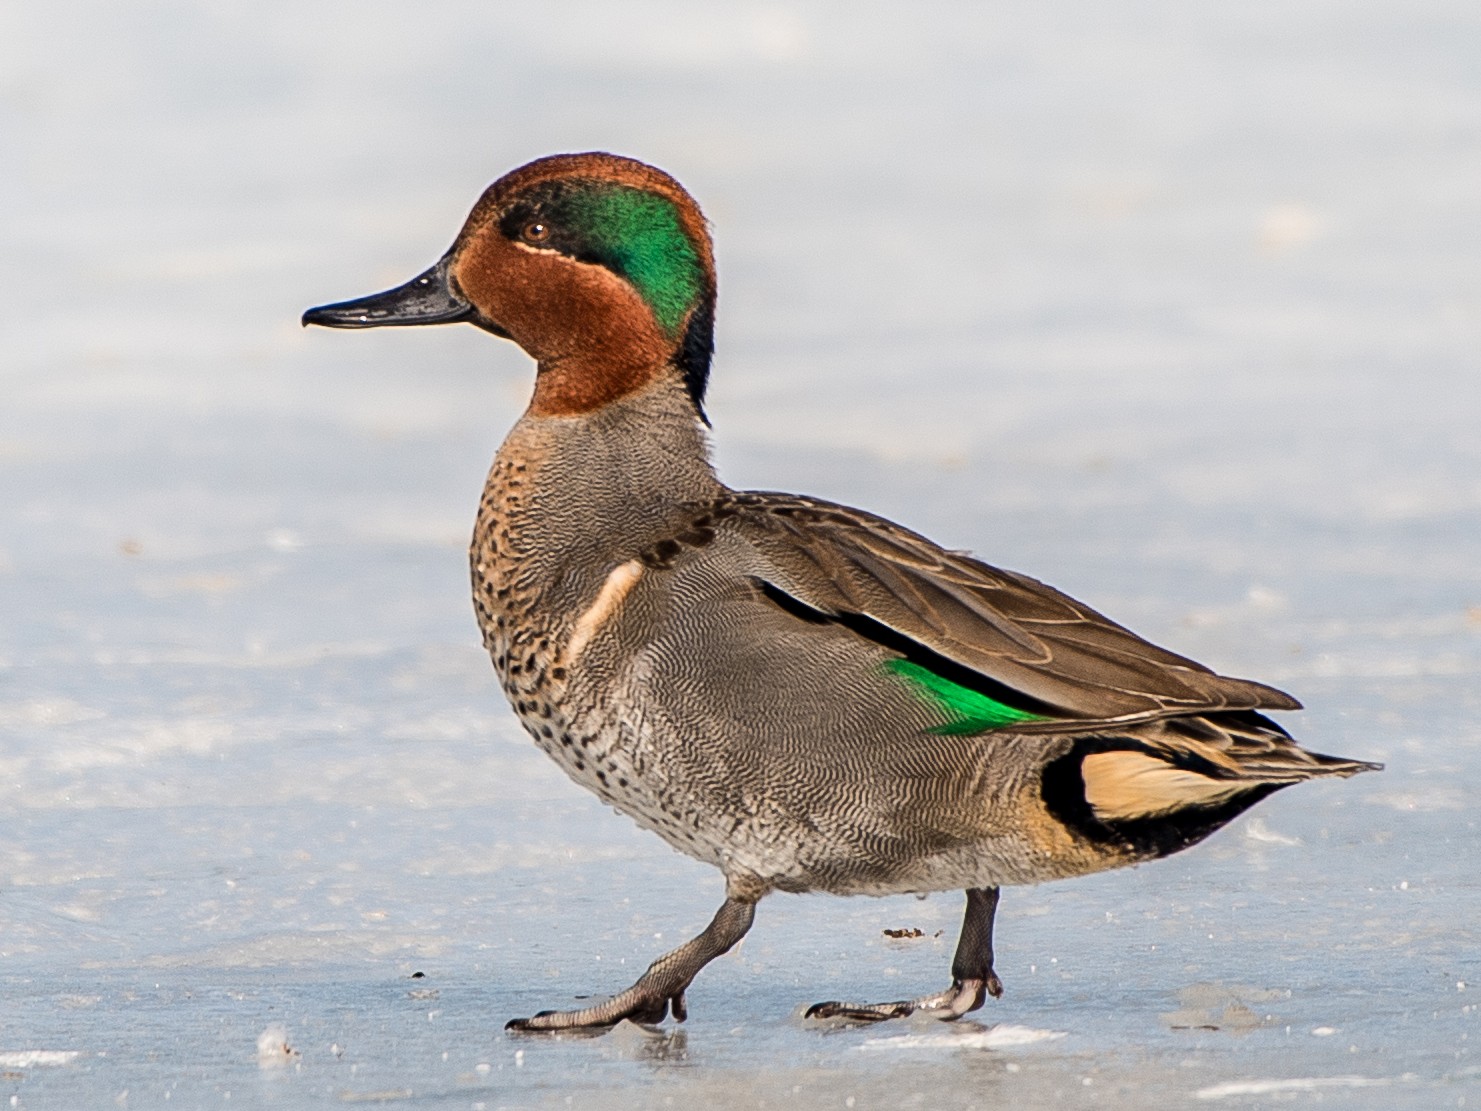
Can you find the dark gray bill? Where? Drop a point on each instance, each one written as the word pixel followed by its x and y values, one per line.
pixel 426 299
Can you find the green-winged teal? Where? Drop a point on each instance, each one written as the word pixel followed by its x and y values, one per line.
pixel 804 695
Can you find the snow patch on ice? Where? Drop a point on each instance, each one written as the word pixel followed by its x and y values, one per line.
pixel 1002 1036
pixel 36 1058
pixel 1256 829
pixel 45 711
pixel 273 1049
pixel 1233 1088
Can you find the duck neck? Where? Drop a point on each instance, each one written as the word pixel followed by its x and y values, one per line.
pixel 597 374
pixel 569 494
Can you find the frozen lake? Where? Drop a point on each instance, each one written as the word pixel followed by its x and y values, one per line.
pixel 1175 307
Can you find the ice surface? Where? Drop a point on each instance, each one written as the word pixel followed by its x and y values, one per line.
pixel 1174 306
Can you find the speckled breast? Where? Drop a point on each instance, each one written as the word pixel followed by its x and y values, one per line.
pixel 572 719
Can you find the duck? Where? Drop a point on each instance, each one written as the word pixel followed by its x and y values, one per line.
pixel 804 695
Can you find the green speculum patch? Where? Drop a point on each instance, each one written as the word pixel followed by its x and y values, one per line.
pixel 965 710
pixel 639 235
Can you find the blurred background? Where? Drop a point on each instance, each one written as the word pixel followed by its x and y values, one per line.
pixel 1175 307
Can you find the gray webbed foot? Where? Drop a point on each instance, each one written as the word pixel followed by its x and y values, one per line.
pixel 660 990
pixel 640 1003
pixel 962 997
pixel 973 978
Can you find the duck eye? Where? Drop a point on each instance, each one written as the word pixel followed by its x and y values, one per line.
pixel 535 232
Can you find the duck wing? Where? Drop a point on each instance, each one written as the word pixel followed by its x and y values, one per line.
pixel 960 626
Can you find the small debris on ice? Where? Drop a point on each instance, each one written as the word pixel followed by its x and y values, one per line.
pixel 1235 1007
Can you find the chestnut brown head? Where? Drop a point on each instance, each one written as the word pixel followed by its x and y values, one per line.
pixel 599 266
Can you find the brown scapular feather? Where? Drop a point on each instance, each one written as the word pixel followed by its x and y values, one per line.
pixel 1012 630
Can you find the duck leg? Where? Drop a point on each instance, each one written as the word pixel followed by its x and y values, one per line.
pixel 972 975
pixel 660 988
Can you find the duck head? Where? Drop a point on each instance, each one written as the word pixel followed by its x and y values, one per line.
pixel 599 266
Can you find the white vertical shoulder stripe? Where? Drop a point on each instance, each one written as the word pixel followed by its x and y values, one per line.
pixel 619 583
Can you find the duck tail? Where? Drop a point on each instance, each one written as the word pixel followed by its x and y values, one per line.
pixel 1164 785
